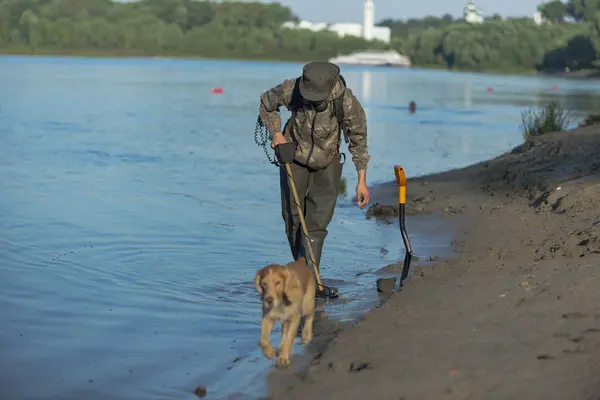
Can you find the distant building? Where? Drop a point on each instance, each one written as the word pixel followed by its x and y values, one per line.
pixel 472 14
pixel 366 30
pixel 538 18
pixel 311 26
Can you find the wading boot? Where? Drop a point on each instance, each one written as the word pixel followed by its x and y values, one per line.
pixel 317 248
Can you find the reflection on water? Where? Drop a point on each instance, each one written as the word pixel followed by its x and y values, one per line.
pixel 135 210
pixel 467 95
pixel 366 85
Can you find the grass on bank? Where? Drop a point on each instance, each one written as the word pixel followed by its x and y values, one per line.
pixel 591 119
pixel 343 190
pixel 552 118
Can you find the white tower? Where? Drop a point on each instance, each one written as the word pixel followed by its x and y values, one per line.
pixel 369 20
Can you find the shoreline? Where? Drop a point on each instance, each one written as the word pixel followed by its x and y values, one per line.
pixel 126 54
pixel 512 313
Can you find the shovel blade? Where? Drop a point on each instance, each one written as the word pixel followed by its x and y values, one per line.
pixel 406 240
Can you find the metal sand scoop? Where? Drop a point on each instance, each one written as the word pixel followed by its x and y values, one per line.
pixel 388 284
pixel 401 181
pixel 285 155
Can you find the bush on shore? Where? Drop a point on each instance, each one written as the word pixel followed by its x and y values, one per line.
pixel 551 118
pixel 591 119
pixel 343 190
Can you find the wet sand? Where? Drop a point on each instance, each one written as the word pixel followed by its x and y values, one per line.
pixel 512 313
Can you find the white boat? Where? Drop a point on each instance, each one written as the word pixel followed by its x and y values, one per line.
pixel 388 58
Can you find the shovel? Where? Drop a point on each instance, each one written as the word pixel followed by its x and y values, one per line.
pixel 285 155
pixel 401 181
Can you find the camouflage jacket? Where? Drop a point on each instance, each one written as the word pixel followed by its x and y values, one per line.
pixel 316 134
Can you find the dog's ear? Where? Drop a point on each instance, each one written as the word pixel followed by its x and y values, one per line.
pixel 288 279
pixel 289 282
pixel 258 278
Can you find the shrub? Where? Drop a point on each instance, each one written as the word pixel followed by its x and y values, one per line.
pixel 552 118
pixel 591 119
pixel 343 187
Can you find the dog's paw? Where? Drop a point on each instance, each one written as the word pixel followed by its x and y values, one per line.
pixel 306 337
pixel 282 362
pixel 268 351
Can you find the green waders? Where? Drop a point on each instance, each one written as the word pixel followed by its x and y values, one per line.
pixel 318 192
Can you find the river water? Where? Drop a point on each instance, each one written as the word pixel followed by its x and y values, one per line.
pixel 135 209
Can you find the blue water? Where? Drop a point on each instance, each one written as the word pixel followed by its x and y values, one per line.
pixel 135 209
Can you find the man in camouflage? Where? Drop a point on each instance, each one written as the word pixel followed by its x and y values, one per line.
pixel 314 129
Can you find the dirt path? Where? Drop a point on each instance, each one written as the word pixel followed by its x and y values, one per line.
pixel 513 314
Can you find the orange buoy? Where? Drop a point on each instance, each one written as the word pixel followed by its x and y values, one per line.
pixel 490 90
pixel 217 91
pixel 555 88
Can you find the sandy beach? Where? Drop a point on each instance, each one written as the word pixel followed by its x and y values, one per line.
pixel 512 314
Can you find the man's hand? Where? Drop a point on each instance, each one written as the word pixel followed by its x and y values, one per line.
pixel 362 194
pixel 277 139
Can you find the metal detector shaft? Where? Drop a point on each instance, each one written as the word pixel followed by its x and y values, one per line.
pixel 401 181
pixel 303 224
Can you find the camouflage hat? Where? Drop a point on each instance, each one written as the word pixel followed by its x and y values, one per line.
pixel 317 80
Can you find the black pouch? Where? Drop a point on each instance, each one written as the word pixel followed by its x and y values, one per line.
pixel 285 152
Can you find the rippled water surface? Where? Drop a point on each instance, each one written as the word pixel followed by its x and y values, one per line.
pixel 135 209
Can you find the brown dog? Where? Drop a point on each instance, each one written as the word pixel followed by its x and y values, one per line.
pixel 288 294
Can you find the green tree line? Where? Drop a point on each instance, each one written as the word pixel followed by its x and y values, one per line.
pixel 252 30
pixel 569 38
pixel 163 27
